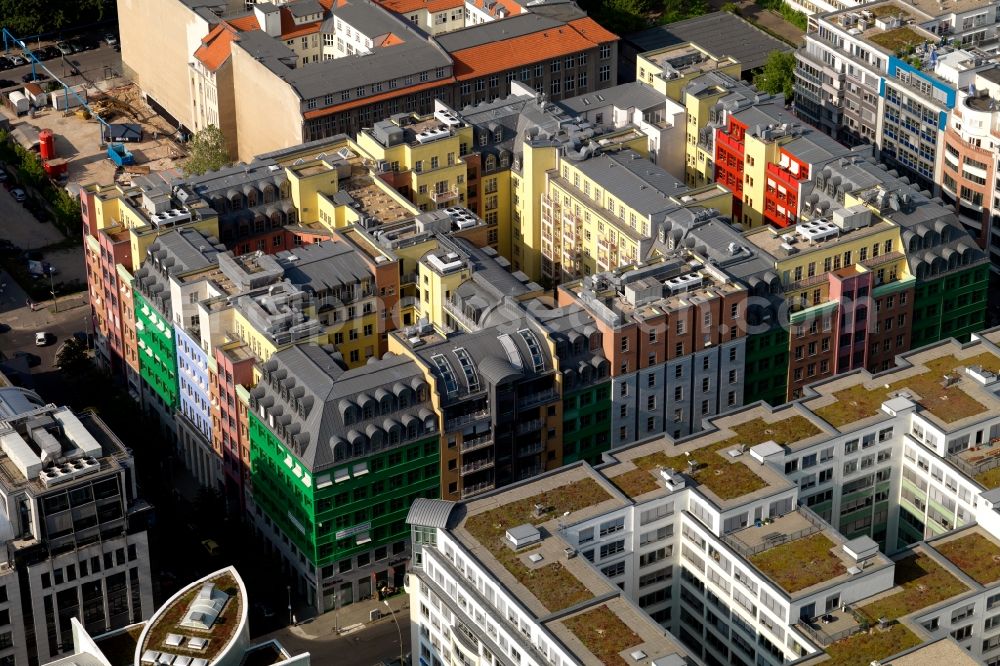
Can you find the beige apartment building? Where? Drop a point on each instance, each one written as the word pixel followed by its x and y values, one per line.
pixel 265 77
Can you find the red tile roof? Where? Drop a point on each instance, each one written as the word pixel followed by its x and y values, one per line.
pixel 245 23
pixel 215 47
pixel 512 7
pixel 593 31
pixel 410 6
pixel 576 36
pixel 353 104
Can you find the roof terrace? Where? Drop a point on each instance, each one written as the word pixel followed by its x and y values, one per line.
pixel 771 240
pixel 373 200
pixel 716 461
pixel 682 60
pixel 542 576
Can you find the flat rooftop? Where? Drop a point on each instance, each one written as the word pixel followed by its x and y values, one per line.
pixel 799 552
pixel 974 551
pixel 770 240
pixel 720 465
pixel 614 633
pixel 554 582
pixel 845 401
pixel 684 59
pixel 374 200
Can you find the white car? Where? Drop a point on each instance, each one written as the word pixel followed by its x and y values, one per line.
pixel 41 339
pixel 18 194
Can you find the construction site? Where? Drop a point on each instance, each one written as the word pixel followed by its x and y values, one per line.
pixel 79 136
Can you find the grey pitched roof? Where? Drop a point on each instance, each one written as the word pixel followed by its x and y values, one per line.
pixel 719 33
pixel 174 253
pixel 300 8
pixel 316 426
pixel 495 31
pixel 323 266
pixel 624 96
pixel 631 178
pixel 429 512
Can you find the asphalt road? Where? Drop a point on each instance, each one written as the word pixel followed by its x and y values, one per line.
pixel 94 65
pixel 375 643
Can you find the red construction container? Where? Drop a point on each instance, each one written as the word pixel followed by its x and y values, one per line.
pixel 55 167
pixel 47 144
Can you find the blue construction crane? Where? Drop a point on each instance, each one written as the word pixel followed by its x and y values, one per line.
pixel 9 39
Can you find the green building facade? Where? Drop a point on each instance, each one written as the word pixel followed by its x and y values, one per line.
pixel 767 366
pixel 951 306
pixel 157 350
pixel 587 423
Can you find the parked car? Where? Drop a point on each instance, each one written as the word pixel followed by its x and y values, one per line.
pixel 65 48
pixel 18 194
pixel 3 176
pixel 48 52
pixel 5 64
pixel 111 39
pixel 42 339
pixel 17 60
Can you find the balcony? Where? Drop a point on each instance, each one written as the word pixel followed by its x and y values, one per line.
pixel 476 443
pixel 530 426
pixel 535 399
pixel 532 450
pixel 458 421
pixel 476 466
pixel 444 195
pixel 478 489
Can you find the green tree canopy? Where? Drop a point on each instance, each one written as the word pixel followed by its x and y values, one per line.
pixel 26 18
pixel 72 358
pixel 208 152
pixel 778 75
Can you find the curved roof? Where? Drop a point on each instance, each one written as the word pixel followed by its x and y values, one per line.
pixel 497 369
pixel 429 512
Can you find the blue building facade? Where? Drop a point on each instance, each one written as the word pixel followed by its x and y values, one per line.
pixel 194 417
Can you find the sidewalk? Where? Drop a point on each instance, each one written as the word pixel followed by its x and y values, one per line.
pixel 354 617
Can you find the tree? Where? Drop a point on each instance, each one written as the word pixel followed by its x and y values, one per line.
pixel 730 7
pixel 72 358
pixel 31 169
pixel 208 152
pixel 778 75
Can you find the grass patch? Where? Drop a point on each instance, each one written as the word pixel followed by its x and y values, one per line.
pixel 873 645
pixel 990 478
pixel 218 636
pixel 636 482
pixel 888 10
pixel 948 404
pixel 604 634
pixel 924 584
pixel 554 586
pixel 799 564
pixel 898 40
pixel 727 478
pixel 975 555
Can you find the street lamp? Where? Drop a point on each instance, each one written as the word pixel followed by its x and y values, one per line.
pixel 290 616
pixel 399 631
pixel 52 289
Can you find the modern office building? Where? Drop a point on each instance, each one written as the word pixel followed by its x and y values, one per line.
pixel 890 74
pixel 855 522
pixel 336 458
pixel 74 530
pixel 204 623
